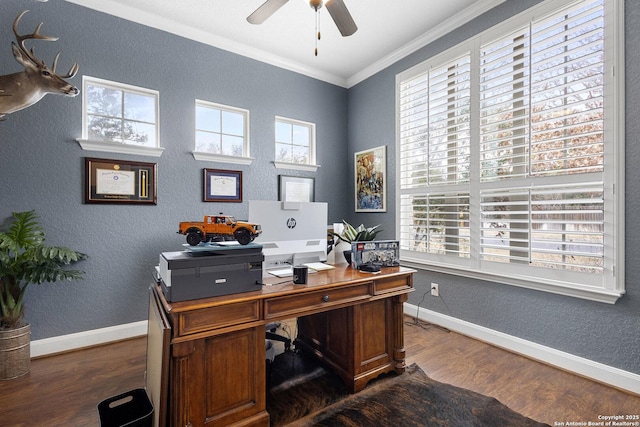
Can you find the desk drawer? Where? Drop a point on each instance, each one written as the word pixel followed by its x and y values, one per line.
pixel 207 319
pixel 314 301
pixel 392 284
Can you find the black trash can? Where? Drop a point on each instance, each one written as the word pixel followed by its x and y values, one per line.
pixel 130 409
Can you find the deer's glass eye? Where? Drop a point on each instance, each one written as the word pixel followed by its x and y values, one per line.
pixel 46 73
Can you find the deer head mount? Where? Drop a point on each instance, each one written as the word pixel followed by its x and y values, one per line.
pixel 23 89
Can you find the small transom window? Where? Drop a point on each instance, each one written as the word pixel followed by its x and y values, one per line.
pixel 221 130
pixel 119 113
pixel 295 142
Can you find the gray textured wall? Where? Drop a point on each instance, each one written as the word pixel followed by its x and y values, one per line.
pixel 608 334
pixel 42 165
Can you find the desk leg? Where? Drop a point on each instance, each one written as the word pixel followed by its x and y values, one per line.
pixel 398 334
pixel 185 365
pixel 359 343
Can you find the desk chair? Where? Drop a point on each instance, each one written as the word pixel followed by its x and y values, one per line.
pixel 271 335
pixel 270 349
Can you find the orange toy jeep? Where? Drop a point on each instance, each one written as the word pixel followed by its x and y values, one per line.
pixel 219 228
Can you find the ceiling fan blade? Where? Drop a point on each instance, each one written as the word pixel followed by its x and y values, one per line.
pixel 341 17
pixel 267 9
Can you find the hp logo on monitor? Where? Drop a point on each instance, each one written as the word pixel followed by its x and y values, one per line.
pixel 291 223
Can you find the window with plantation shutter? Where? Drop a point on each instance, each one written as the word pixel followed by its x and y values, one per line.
pixel 434 130
pixel 436 223
pixel 434 120
pixel 510 150
pixel 556 226
pixel 504 108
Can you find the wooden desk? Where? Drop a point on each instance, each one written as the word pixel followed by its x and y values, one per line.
pixel 351 321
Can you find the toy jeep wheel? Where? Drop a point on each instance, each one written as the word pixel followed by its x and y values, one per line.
pixel 243 237
pixel 194 238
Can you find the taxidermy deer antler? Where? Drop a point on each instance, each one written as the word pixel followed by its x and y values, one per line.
pixel 23 89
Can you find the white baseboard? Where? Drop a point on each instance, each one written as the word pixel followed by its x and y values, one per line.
pixel 83 339
pixel 602 373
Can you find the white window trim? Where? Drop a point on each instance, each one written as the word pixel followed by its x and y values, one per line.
pixel 221 158
pixel 209 157
pixel 114 147
pixel 614 49
pixel 295 166
pixel 311 166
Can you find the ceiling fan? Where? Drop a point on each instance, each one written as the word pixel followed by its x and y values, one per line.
pixel 337 9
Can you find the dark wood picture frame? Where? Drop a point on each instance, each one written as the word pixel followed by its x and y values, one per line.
pixel 296 189
pixel 120 182
pixel 220 185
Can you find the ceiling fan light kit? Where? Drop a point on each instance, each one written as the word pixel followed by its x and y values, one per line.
pixel 336 8
pixel 316 4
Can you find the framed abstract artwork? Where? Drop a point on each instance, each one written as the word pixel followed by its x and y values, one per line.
pixel 370 167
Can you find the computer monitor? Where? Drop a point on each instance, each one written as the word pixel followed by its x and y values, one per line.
pixel 292 232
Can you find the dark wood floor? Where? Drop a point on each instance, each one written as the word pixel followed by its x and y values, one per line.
pixel 536 390
pixel 63 390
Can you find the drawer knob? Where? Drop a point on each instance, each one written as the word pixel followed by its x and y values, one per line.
pixel 325 298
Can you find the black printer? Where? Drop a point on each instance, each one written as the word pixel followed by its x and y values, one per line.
pixel 210 270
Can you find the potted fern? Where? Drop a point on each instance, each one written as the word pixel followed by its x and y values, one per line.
pixel 351 234
pixel 25 259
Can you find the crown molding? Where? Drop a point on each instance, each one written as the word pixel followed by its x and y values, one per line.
pixel 154 21
pixel 160 23
pixel 430 36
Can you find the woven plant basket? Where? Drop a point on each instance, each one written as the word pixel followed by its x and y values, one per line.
pixel 15 352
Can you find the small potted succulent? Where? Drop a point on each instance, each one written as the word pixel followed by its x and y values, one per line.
pixel 351 234
pixel 25 259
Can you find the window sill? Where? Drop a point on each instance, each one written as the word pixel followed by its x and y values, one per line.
pixel 113 147
pixel 210 157
pixel 296 166
pixel 608 296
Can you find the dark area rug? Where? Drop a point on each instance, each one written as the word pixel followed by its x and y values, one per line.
pixel 305 394
pixel 299 386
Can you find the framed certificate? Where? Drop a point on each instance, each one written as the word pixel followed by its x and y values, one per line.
pixel 119 181
pixel 296 189
pixel 222 185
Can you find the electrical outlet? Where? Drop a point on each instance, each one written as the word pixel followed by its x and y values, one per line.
pixel 435 289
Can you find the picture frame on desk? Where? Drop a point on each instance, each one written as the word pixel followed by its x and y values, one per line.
pixel 370 168
pixel 120 182
pixel 221 185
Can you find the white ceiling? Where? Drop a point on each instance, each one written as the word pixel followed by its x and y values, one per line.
pixel 387 30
